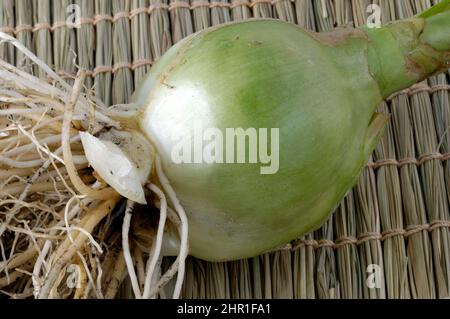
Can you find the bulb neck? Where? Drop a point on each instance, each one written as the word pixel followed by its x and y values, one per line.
pixel 409 51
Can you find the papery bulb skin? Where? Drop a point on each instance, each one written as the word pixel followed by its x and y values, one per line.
pixel 319 91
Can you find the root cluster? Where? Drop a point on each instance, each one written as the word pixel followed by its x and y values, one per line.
pixel 64 233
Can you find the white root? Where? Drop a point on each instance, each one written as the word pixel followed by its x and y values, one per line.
pixel 44 87
pixel 67 153
pixel 39 146
pixel 157 243
pixel 36 246
pixel 22 111
pixel 126 250
pixel 184 249
pixel 168 275
pixel 98 287
pixel 28 187
pixel 49 140
pixel 51 236
pixel 65 255
pixel 37 268
pixel 66 217
pixel 88 273
pixel 20 164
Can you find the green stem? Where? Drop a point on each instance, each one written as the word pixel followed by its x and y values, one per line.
pixel 438 8
pixel 408 51
pixel 437 31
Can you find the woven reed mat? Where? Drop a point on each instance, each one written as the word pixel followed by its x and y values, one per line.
pixel 389 238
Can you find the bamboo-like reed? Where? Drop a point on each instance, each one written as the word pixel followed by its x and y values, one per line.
pixel 42 39
pixel 181 22
pixel 160 28
pixel 86 39
pixel 24 19
pixel 103 51
pixel 201 16
pixel 239 11
pixel 262 10
pixel 219 14
pixel 64 40
pixel 140 40
pixel 122 86
pixel 7 20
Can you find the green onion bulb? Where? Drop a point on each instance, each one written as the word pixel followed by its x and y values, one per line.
pixel 310 98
